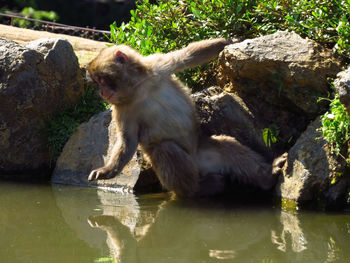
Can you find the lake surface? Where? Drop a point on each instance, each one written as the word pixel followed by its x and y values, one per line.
pixel 44 223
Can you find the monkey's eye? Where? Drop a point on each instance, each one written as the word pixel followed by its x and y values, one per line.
pixel 93 78
pixel 99 80
pixel 102 82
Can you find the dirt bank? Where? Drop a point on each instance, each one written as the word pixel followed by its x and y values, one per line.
pixel 85 49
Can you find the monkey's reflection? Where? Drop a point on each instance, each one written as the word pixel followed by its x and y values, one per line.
pixel 158 228
pixel 119 238
pixel 178 231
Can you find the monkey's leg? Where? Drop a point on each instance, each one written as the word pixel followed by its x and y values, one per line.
pixel 175 168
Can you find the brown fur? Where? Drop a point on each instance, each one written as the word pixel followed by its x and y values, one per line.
pixel 154 110
pixel 223 158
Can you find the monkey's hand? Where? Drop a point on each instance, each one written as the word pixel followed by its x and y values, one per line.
pixel 105 172
pixel 278 164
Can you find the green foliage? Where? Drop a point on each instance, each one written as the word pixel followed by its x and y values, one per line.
pixel 169 25
pixel 62 124
pixel 334 178
pixel 335 125
pixel 270 134
pixel 30 12
pixel 324 21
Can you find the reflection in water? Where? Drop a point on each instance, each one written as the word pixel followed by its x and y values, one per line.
pixel 156 228
pixel 222 254
pixel 291 228
pixel 70 224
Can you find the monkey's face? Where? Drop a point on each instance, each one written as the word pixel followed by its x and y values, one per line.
pixel 106 91
pixel 109 89
pixel 116 74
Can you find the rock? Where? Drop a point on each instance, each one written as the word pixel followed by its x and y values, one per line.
pixel 308 171
pixel 89 148
pixel 35 81
pixel 59 55
pixel 282 69
pixel 342 86
pixel 223 112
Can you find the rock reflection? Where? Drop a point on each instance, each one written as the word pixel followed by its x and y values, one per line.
pixel 312 237
pixel 291 228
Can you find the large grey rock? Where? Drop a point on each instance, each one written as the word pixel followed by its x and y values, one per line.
pixel 34 83
pixel 309 169
pixel 89 148
pixel 342 85
pixel 282 69
pixel 60 56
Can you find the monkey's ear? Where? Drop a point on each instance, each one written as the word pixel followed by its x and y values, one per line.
pixel 120 57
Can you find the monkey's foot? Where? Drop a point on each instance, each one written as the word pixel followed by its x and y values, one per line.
pixel 278 164
pixel 102 173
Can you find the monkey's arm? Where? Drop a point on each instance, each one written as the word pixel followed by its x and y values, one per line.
pixel 194 54
pixel 122 153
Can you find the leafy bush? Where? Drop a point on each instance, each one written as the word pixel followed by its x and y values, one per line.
pixel 62 124
pixel 335 126
pixel 30 12
pixel 169 25
pixel 324 21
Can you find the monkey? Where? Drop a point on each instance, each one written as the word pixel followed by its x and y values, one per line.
pixel 153 109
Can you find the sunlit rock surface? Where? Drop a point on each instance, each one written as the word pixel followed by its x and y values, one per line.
pixel 89 148
pixel 308 172
pixel 342 85
pixel 282 69
pixel 35 81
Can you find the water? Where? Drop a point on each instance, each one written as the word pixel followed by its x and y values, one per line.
pixel 43 223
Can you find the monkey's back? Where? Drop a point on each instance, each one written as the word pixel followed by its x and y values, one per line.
pixel 168 114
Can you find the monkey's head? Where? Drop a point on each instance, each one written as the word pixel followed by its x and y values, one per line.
pixel 117 70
